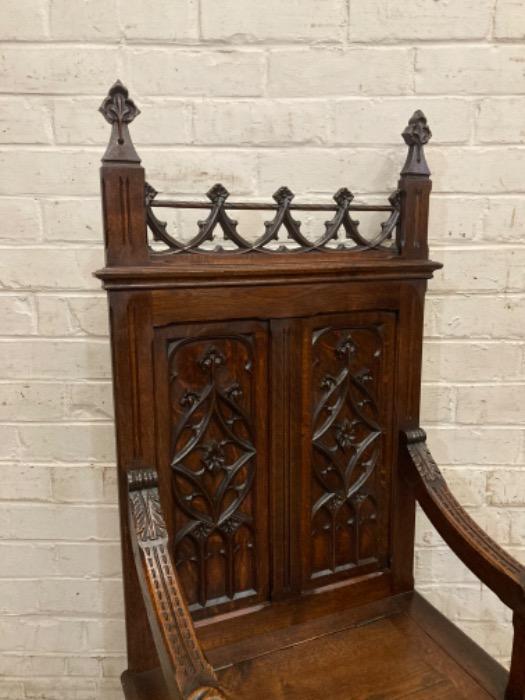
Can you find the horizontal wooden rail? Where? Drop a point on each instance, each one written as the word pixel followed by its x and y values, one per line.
pixel 265 206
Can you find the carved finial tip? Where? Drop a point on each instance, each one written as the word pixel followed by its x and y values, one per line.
pixel 118 86
pixel 417 132
pixel 419 114
pixel 117 107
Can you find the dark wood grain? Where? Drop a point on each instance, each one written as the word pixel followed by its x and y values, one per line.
pixel 423 656
pixel 342 655
pixel 407 392
pixel 496 568
pixel 186 671
pixel 211 427
pixel 484 557
pixel 346 476
pixel 270 392
pixel 451 642
pixel 516 685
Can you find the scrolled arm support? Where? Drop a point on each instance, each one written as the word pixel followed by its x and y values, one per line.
pixel 487 560
pixel 187 673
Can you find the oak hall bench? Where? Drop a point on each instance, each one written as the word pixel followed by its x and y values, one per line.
pixel 270 455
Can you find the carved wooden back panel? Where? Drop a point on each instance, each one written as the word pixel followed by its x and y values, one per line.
pixel 212 409
pixel 266 381
pixel 350 361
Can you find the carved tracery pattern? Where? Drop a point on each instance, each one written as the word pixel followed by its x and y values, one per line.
pixel 347 446
pixel 340 232
pixel 213 461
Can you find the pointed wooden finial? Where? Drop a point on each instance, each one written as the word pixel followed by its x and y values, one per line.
pixel 119 111
pixel 416 135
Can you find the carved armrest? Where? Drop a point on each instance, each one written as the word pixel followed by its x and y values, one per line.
pixel 491 564
pixel 187 673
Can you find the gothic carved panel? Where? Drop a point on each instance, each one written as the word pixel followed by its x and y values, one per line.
pixel 349 500
pixel 214 449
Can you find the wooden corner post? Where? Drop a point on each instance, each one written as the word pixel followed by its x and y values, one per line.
pixel 122 184
pixel 124 221
pixel 413 199
pixel 414 190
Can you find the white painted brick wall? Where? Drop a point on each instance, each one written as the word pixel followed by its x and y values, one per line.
pixel 312 93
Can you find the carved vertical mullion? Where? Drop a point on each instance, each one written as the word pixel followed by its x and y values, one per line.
pixel 203 569
pixel 334 514
pixel 357 530
pixel 230 565
pixel 285 458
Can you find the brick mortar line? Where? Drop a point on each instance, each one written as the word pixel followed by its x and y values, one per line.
pixel 202 99
pixel 67 616
pixel 39 579
pixel 66 655
pixel 179 45
pixel 50 542
pixel 59 421
pixel 59 465
pixel 313 143
pixel 330 144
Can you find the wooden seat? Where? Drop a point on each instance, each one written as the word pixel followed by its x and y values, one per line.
pixel 270 457
pixel 421 654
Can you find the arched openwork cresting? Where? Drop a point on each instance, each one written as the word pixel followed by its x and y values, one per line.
pixel 219 232
pixel 341 231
